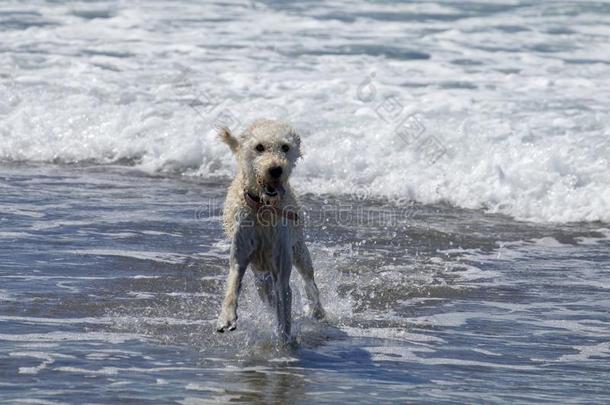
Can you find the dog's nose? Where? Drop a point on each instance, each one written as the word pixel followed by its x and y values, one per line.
pixel 275 172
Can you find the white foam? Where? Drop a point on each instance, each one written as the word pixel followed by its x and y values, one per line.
pixel 521 130
pixel 118 370
pixel 53 321
pixel 403 354
pixel 158 233
pixel 548 241
pixel 450 319
pixel 101 320
pixel 47 358
pixel 5 296
pixel 595 240
pixel 37 401
pixel 586 352
pixel 69 336
pixel 13 235
pixel 592 328
pixel 391 333
pixel 161 257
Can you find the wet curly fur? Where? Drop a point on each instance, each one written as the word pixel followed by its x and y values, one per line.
pixel 268 242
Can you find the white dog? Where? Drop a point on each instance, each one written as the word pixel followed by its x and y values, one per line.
pixel 261 217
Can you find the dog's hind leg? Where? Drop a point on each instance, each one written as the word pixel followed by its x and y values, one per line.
pixel 244 243
pixel 302 261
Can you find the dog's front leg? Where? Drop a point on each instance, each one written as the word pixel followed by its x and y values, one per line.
pixel 283 299
pixel 283 293
pixel 302 261
pixel 242 246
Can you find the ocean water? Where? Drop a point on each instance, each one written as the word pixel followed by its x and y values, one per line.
pixel 455 177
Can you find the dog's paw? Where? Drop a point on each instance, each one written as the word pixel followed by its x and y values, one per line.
pixel 226 323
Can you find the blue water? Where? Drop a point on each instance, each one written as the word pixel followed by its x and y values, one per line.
pixel 111 282
pixel 478 271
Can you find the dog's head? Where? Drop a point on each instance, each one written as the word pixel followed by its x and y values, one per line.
pixel 266 152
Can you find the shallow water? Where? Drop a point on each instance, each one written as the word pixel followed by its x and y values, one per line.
pixel 432 130
pixel 111 281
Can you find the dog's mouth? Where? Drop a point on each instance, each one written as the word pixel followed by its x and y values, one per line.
pixel 270 191
pixel 273 189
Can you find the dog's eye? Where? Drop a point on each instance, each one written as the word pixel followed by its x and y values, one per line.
pixel 260 147
pixel 285 148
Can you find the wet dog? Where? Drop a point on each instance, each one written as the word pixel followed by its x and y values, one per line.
pixel 261 216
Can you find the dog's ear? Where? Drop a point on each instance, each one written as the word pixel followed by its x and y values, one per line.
pixel 297 141
pixel 227 137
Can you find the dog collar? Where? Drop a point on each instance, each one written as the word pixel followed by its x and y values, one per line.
pixel 255 203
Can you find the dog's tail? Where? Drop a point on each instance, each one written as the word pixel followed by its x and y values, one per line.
pixel 227 137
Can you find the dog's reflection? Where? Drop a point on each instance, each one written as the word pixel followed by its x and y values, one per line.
pixel 276 374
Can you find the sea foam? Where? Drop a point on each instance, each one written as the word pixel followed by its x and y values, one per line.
pixel 434 104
